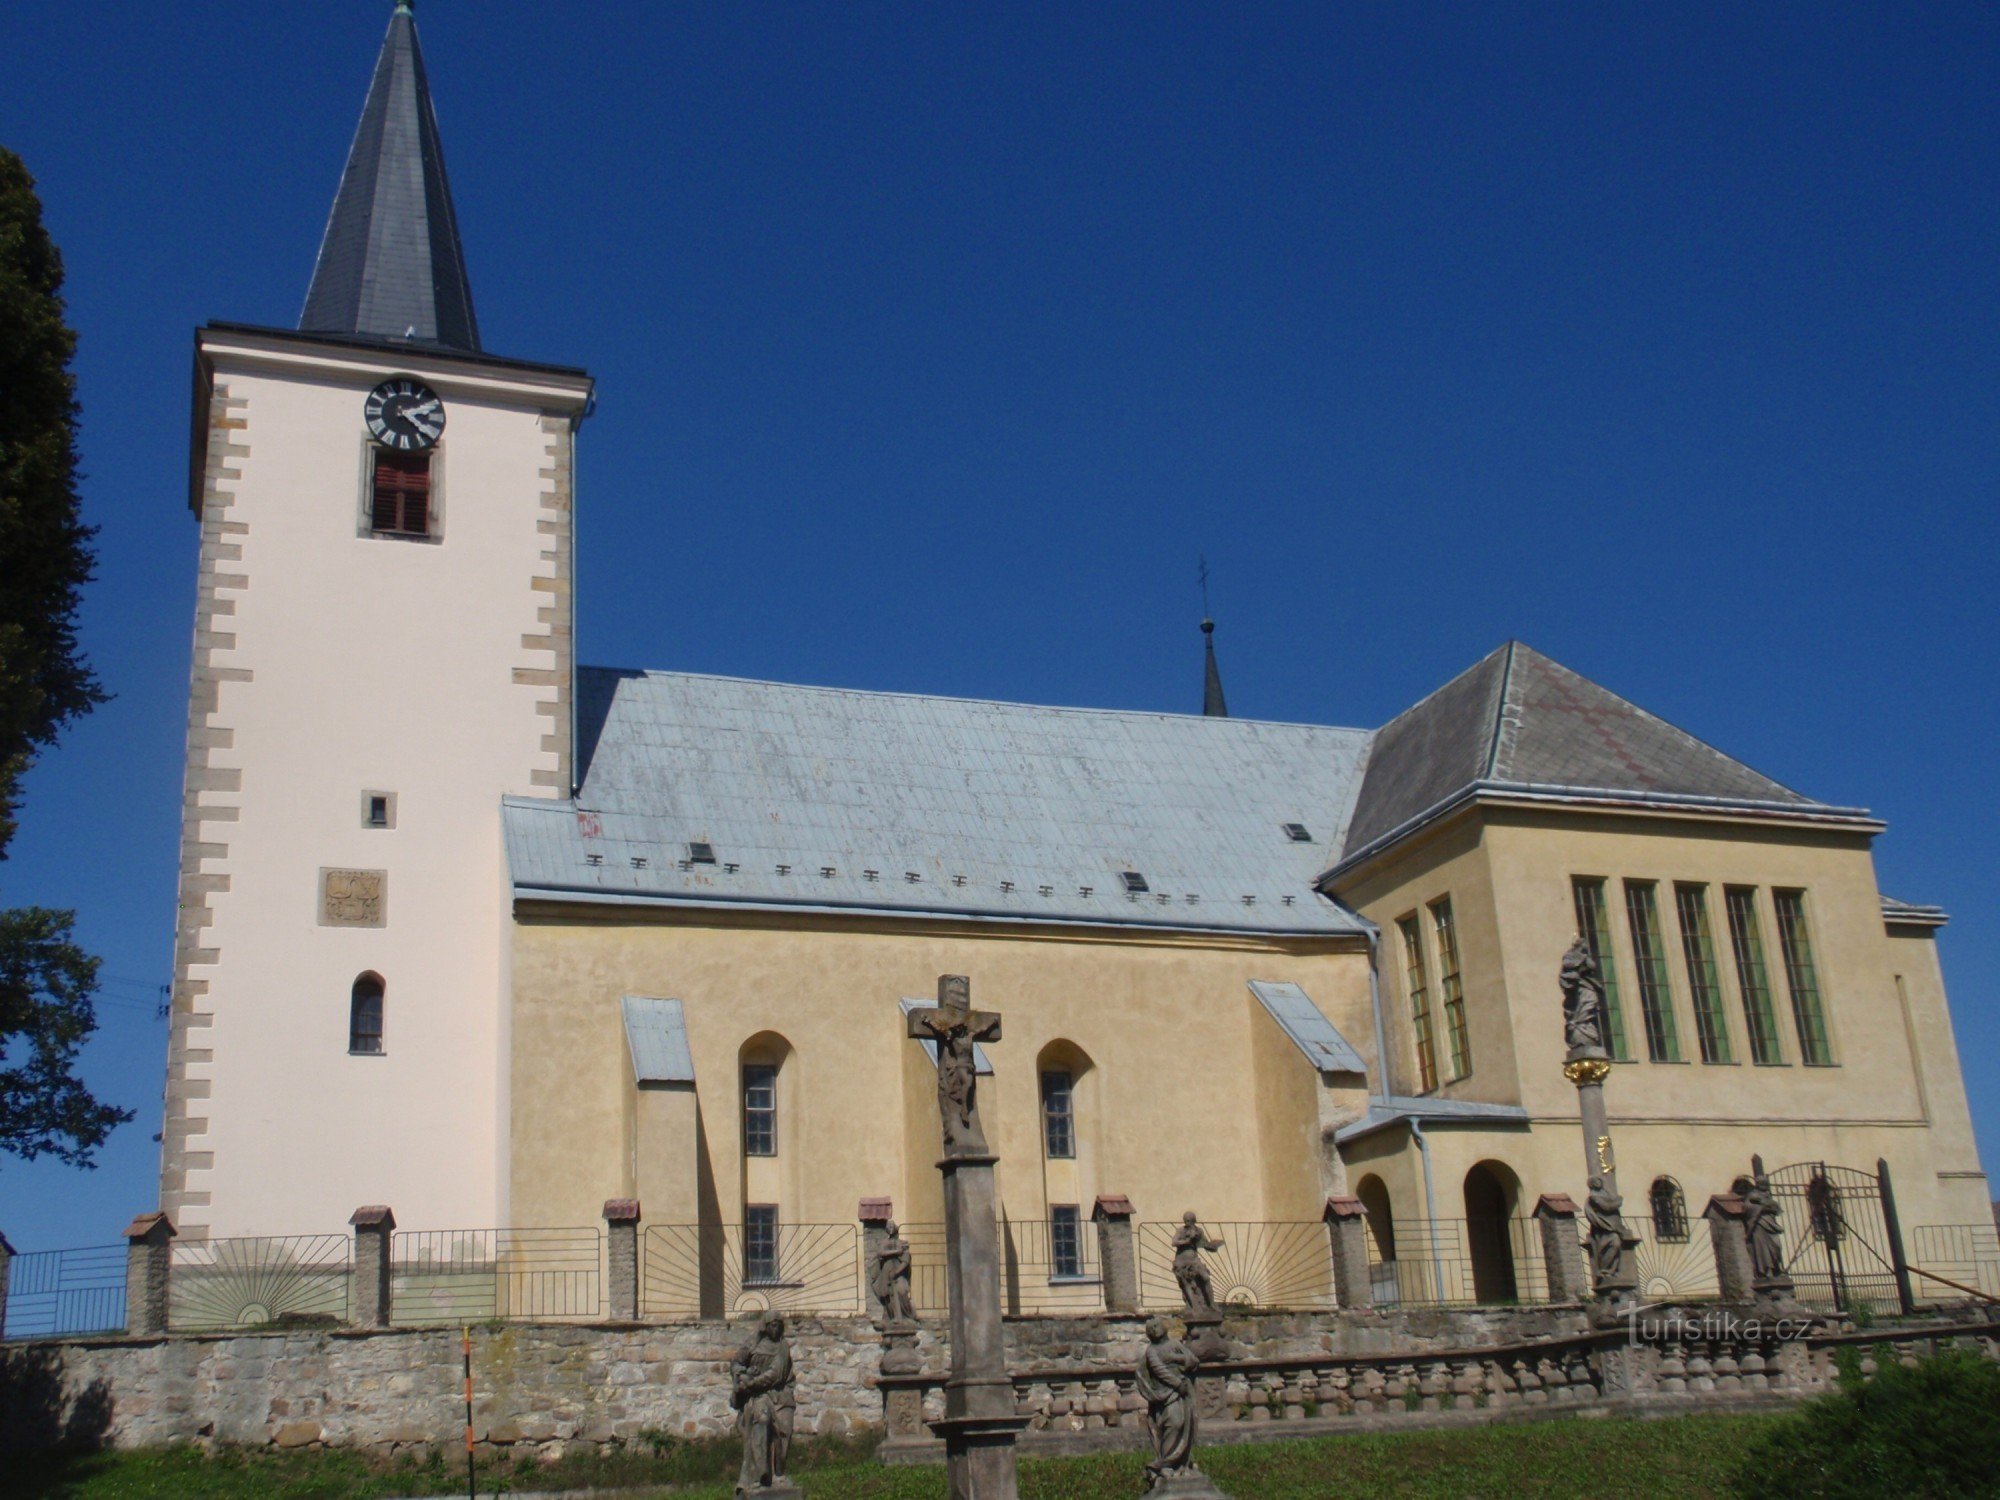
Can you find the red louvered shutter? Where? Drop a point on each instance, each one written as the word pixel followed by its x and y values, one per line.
pixel 402 493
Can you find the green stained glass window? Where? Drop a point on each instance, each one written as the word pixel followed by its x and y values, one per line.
pixel 1451 989
pixel 1704 979
pixel 1649 957
pixel 1594 923
pixel 1803 977
pixel 1746 942
pixel 1420 1002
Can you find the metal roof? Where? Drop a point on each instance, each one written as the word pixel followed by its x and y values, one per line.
pixel 656 1034
pixel 1400 1108
pixel 1306 1024
pixel 391 262
pixel 1913 913
pixel 837 799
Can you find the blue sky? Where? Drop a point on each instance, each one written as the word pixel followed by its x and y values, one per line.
pixel 936 343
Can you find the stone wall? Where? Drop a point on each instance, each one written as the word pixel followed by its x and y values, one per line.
pixel 544 1387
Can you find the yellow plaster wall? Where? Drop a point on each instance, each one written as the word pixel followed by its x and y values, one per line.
pixel 1177 1119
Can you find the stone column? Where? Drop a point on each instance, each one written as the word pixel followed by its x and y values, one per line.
pixel 621 1245
pixel 875 1215
pixel 1117 1258
pixel 149 1260
pixel 6 1256
pixel 374 1232
pixel 1587 1068
pixel 1347 1238
pixel 1555 1213
pixel 1732 1247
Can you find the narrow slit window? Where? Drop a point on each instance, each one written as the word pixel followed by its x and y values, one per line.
pixel 400 494
pixel 1451 990
pixel 760 1110
pixel 1420 1002
pixel 1704 980
pixel 364 1015
pixel 1802 976
pixel 1065 1240
pixel 760 1244
pixel 1059 1115
pixel 1746 942
pixel 1656 995
pixel 1593 923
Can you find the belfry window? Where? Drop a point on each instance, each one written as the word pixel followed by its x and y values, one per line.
pixel 364 1015
pixel 760 1110
pixel 399 493
pixel 1059 1114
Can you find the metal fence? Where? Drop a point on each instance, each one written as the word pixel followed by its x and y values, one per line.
pixel 690 1271
pixel 1836 1236
pixel 55 1292
pixel 477 1275
pixel 1968 1254
pixel 1678 1266
pixel 1459 1263
pixel 252 1282
pixel 1280 1264
pixel 1045 1269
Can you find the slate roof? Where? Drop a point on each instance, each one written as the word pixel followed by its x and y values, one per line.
pixel 1518 719
pixel 1301 1019
pixel 391 263
pixel 987 810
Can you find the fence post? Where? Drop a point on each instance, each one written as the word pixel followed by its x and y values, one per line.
pixel 6 1256
pixel 1732 1246
pixel 1898 1262
pixel 621 1230
pixel 875 1214
pixel 1347 1239
pixel 1117 1260
pixel 374 1230
pixel 1555 1213
pixel 149 1260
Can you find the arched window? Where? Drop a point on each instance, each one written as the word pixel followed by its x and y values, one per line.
pixel 1670 1212
pixel 364 1015
pixel 1059 1113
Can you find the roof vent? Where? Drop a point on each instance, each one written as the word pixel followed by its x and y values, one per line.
pixel 701 854
pixel 1298 833
pixel 1134 881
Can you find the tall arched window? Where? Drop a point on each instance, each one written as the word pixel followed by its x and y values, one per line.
pixel 364 1015
pixel 1670 1213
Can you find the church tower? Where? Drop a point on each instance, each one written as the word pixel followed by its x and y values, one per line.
pixel 382 652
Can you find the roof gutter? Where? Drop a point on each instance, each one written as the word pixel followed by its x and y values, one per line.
pixel 1858 818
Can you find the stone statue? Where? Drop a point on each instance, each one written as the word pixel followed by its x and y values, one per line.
pixel 1190 1270
pixel 1166 1383
pixel 957 1029
pixel 889 1278
pixel 760 1388
pixel 1583 999
pixel 1602 1210
pixel 1765 1231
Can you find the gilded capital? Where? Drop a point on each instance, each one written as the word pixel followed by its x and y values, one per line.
pixel 1587 1070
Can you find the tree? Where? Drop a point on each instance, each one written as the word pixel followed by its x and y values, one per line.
pixel 46 981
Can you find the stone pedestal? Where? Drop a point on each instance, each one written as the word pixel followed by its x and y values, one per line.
pixel 1189 1484
pixel 980 1423
pixel 149 1262
pixel 374 1230
pixel 1732 1248
pixel 1204 1337
pixel 1117 1259
pixel 1555 1215
pixel 1347 1239
pixel 621 1243
pixel 777 1489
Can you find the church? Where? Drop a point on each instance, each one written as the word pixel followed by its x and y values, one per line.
pixel 573 934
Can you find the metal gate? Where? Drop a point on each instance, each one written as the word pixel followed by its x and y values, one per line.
pixel 1840 1243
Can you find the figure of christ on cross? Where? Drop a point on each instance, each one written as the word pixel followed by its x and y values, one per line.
pixel 955 1026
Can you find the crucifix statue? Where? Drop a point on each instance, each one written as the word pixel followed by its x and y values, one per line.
pixel 956 1027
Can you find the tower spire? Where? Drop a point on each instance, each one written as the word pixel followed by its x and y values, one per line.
pixel 391 263
pixel 1212 704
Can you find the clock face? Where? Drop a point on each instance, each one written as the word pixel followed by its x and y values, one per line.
pixel 405 414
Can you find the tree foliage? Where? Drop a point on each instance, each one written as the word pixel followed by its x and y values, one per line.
pixel 46 981
pixel 45 556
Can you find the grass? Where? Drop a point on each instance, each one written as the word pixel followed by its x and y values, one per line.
pixel 1595 1458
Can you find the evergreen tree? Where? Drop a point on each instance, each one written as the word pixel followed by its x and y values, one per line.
pixel 46 981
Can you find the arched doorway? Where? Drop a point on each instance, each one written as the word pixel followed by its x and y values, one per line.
pixel 1381 1221
pixel 1491 1191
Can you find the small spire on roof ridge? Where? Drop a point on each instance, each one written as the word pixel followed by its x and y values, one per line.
pixel 1212 704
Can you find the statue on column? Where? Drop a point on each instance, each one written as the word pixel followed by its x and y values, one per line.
pixel 760 1388
pixel 1166 1384
pixel 957 1029
pixel 1603 1211
pixel 1764 1229
pixel 889 1278
pixel 1583 999
pixel 1190 1270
